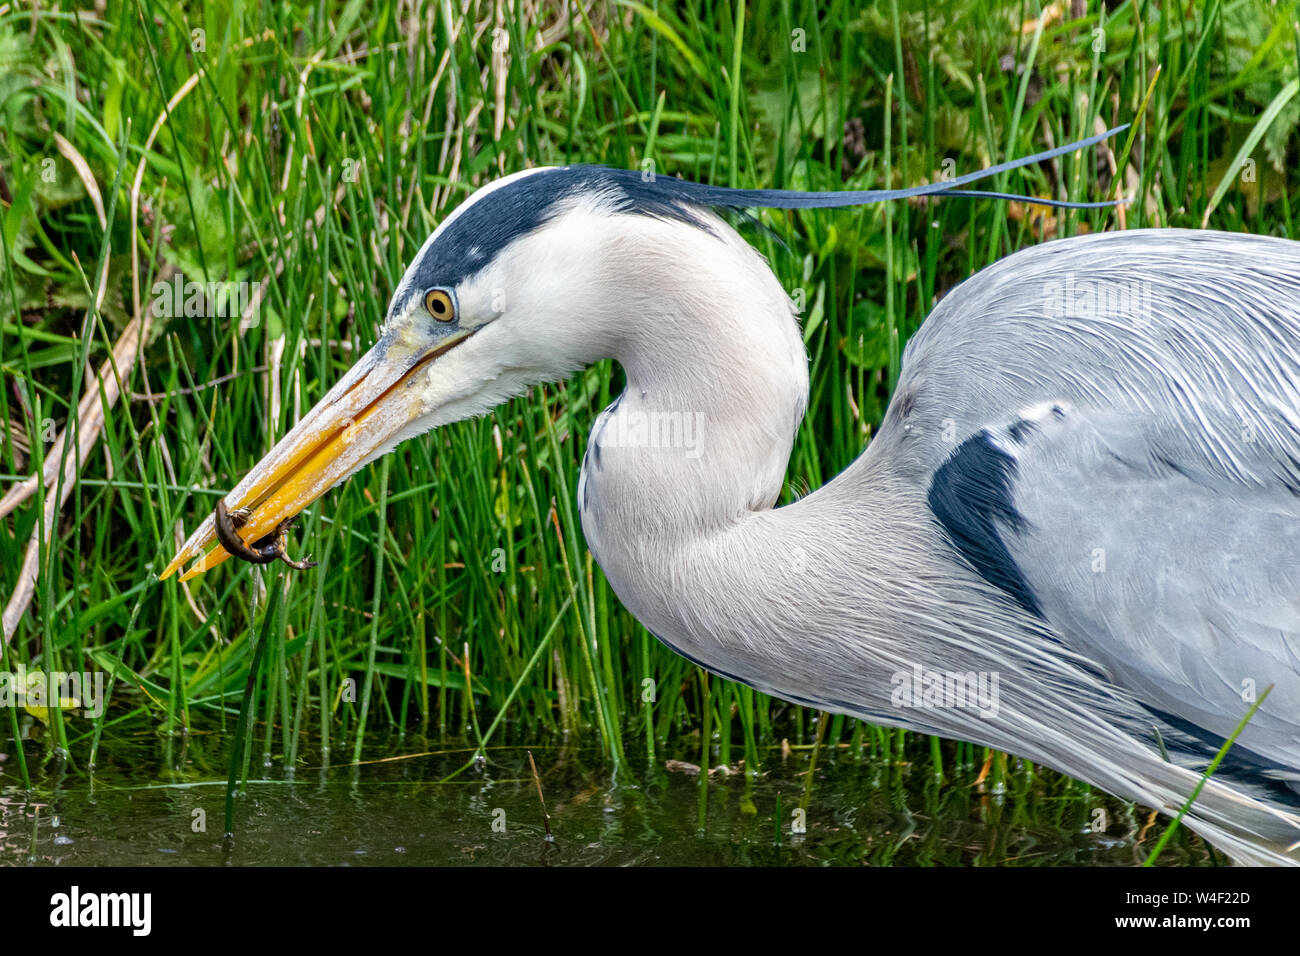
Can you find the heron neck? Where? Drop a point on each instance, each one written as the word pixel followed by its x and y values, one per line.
pixel 677 498
pixel 714 397
pixel 701 437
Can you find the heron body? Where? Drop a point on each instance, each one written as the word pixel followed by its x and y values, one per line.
pixel 1084 495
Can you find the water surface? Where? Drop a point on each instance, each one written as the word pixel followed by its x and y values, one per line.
pixel 399 809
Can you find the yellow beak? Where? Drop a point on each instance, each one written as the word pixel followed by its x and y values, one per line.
pixel 355 422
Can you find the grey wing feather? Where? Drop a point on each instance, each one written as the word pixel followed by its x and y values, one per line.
pixel 1196 333
pixel 1176 466
pixel 1187 593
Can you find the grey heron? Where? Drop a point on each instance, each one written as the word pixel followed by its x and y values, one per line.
pixel 1086 483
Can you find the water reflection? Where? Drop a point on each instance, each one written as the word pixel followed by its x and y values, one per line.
pixel 405 812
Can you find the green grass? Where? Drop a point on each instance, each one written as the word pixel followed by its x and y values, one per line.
pixel 318 147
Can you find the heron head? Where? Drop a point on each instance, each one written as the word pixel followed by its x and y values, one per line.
pixel 525 282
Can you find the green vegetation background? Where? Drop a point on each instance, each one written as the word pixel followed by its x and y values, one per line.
pixel 313 147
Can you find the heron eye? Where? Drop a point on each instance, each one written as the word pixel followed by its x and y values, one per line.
pixel 439 304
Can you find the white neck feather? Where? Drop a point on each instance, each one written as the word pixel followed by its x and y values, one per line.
pixel 699 442
pixel 819 601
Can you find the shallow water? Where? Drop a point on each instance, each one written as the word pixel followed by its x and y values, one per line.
pixel 400 810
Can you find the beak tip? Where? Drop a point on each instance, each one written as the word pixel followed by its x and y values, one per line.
pixel 181 557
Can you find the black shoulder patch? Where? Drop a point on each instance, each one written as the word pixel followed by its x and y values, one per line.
pixel 970 494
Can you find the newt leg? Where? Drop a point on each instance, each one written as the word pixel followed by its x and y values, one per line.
pixel 262 551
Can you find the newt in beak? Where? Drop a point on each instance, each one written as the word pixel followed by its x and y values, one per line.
pixel 377 404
